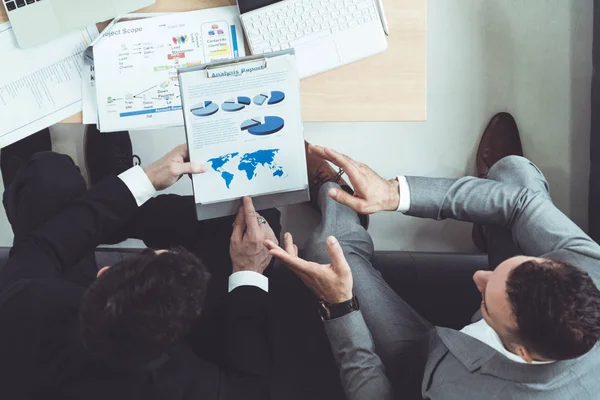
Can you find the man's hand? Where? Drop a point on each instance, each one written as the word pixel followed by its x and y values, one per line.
pixel 331 283
pixel 372 193
pixel 247 246
pixel 167 171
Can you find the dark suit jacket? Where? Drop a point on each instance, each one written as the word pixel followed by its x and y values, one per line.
pixel 41 354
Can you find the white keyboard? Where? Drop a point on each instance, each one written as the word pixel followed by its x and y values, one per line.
pixel 293 23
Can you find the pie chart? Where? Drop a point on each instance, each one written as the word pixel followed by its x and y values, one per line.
pixel 274 97
pixel 204 109
pixel 234 105
pixel 262 126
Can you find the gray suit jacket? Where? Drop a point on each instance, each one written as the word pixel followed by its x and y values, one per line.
pixel 459 366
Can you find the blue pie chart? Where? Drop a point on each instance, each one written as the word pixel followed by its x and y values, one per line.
pixel 234 105
pixel 260 126
pixel 204 109
pixel 275 97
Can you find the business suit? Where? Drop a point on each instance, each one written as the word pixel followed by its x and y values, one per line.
pixel 301 365
pixel 57 226
pixel 437 363
pixel 301 362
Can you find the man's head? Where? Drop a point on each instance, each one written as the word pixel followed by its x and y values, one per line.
pixel 136 309
pixel 542 309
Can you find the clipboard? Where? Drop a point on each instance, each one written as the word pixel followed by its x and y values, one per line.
pixel 261 202
pixel 237 62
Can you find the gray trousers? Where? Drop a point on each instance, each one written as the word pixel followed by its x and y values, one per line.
pixel 398 331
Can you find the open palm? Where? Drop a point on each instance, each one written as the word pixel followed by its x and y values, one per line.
pixel 330 282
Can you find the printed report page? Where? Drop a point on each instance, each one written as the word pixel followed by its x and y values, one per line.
pixel 136 64
pixel 244 122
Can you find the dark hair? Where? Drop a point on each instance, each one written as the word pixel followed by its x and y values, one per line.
pixel 138 308
pixel 557 308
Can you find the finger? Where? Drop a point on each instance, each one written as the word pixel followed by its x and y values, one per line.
pixel 268 232
pixel 295 263
pixel 357 204
pixel 316 150
pixel 332 156
pixel 296 250
pixel 288 244
pixel 182 151
pixel 343 161
pixel 337 254
pixel 340 160
pixel 251 216
pixel 239 225
pixel 178 169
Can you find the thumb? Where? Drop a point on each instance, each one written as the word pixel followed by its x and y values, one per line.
pixel 189 168
pixel 355 203
pixel 337 254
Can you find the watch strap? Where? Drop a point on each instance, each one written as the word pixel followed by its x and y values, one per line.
pixel 331 311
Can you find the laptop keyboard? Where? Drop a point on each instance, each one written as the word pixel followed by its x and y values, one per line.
pixel 292 23
pixel 12 5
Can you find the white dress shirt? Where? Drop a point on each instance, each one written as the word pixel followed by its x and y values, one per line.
pixel 480 330
pixel 143 190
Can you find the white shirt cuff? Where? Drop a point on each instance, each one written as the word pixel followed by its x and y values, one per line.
pixel 404 205
pixel 138 184
pixel 248 278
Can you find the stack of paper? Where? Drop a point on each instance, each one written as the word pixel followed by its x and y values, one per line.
pixel 135 63
pixel 40 86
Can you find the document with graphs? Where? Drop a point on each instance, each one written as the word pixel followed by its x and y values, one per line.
pixel 136 63
pixel 39 86
pixel 243 121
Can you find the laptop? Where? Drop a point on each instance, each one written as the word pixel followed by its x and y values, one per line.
pixel 35 22
pixel 325 34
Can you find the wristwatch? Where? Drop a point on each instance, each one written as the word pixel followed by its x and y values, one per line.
pixel 330 311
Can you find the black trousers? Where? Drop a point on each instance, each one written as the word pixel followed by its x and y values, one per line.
pixel 303 366
pixel 44 186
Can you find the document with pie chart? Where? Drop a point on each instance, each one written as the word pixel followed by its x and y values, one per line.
pixel 243 121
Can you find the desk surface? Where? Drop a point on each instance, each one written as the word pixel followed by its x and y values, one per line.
pixel 391 86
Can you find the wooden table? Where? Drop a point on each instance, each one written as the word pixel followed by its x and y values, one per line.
pixel 391 86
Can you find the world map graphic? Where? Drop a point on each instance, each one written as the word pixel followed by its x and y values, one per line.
pixel 247 163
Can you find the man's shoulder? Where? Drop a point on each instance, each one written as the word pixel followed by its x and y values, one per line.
pixel 456 359
pixel 27 296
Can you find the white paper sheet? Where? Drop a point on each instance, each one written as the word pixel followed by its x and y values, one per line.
pixel 89 104
pixel 88 88
pixel 136 64
pixel 39 86
pixel 247 127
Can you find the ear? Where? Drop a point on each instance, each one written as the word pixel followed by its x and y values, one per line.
pixel 524 353
pixel 481 279
pixel 101 271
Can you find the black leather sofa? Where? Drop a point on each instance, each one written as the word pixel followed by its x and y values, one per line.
pixel 438 285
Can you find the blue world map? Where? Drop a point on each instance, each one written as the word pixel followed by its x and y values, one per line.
pixel 246 163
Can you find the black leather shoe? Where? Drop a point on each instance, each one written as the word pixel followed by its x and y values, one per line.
pixel 14 156
pixel 107 153
pixel 500 139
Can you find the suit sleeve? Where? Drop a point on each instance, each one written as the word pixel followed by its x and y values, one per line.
pixel 247 344
pixel 65 238
pixel 361 370
pixel 537 226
